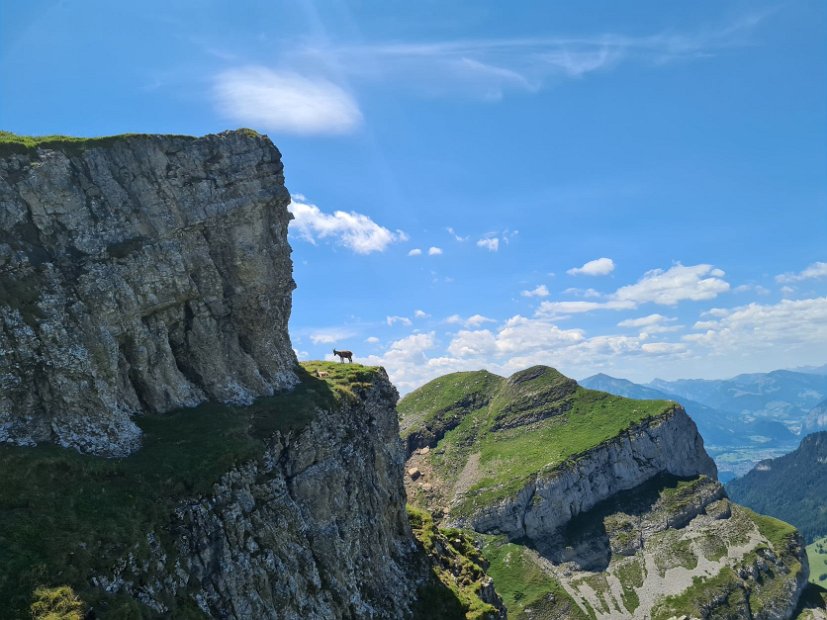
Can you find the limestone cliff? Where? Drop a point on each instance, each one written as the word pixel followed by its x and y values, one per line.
pixel 668 444
pixel 138 274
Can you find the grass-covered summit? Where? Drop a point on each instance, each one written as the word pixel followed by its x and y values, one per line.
pixel 488 435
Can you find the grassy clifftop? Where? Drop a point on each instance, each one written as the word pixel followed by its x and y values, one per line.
pixel 492 434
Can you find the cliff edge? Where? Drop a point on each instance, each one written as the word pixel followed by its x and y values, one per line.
pixel 138 274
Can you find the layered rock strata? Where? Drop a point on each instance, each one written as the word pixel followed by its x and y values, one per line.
pixel 668 444
pixel 139 274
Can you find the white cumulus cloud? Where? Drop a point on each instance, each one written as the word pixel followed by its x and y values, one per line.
pixel 355 231
pixel 678 283
pixel 415 252
pixel 285 101
pixel 434 251
pixel 538 291
pixel 597 267
pixel 402 320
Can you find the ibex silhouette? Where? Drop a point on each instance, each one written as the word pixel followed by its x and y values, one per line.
pixel 344 355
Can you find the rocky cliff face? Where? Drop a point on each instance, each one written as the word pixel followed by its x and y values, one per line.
pixel 665 445
pixel 314 529
pixel 139 274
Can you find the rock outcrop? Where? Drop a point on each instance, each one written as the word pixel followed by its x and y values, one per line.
pixel 314 529
pixel 668 444
pixel 139 274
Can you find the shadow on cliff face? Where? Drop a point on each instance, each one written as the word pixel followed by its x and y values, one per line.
pixel 65 516
pixel 619 525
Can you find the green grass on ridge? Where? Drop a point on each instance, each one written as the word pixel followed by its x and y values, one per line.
pixel 577 420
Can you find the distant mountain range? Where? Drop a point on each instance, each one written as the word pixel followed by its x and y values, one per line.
pixel 783 396
pixel 745 419
pixel 816 420
pixel 792 487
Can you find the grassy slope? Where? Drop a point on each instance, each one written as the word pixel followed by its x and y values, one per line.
pixel 817 556
pixel 447 398
pixel 457 572
pixel 526 590
pixel 65 515
pixel 511 456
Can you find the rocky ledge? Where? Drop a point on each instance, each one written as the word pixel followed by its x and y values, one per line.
pixel 667 444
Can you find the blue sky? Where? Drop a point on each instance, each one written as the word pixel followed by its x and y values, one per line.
pixel 636 188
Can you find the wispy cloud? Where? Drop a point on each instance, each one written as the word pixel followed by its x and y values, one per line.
pixel 285 101
pixel 330 335
pixel 492 244
pixel 355 231
pixel 402 320
pixel 489 68
pixel 816 270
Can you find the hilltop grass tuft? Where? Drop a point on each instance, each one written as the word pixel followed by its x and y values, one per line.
pixel 66 515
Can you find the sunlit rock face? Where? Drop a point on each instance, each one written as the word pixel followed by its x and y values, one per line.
pixel 139 274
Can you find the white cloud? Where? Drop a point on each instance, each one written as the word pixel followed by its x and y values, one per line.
pixel 406 361
pixel 675 284
pixel 477 319
pixel 455 235
pixel 787 325
pixel 330 335
pixel 491 244
pixel 454 319
pixel 538 291
pixel 421 314
pixel 663 287
pixel 487 69
pixel 557 308
pixel 402 320
pixel 663 348
pixel 644 321
pixel 588 293
pixel 597 267
pixel 757 288
pixel 816 270
pixel 371 339
pixel 434 251
pixel 415 252
pixel 354 231
pixel 285 101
